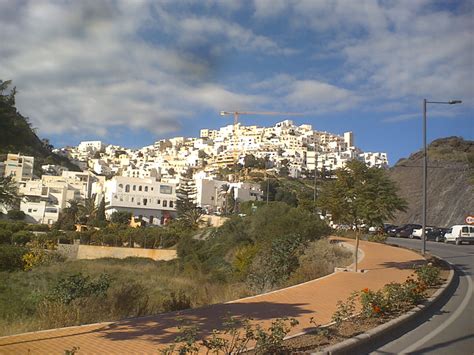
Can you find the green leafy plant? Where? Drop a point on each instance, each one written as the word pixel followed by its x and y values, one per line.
pixel 345 309
pixel 428 274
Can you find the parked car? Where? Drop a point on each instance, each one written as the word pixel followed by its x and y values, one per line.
pixel 392 230
pixel 387 227
pixel 460 233
pixel 406 230
pixel 437 234
pixel 417 232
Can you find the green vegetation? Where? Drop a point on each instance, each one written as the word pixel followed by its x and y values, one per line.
pixel 361 311
pixel 360 196
pixel 274 246
pixel 17 135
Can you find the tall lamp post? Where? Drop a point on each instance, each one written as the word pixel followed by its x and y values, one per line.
pixel 425 165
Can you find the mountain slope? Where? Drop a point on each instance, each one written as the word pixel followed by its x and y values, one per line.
pixel 17 136
pixel 450 184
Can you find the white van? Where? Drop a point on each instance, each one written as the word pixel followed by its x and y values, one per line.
pixel 460 233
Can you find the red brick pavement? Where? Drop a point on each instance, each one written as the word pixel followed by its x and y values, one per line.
pixel 317 298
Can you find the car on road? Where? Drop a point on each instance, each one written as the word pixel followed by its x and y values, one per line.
pixel 417 232
pixel 460 233
pixel 406 230
pixel 437 234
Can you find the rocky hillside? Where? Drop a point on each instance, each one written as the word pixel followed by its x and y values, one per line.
pixel 450 183
pixel 17 135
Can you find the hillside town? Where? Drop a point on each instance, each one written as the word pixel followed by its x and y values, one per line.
pixel 146 181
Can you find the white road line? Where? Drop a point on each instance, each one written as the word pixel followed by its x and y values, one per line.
pixel 449 321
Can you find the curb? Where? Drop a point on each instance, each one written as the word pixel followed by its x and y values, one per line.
pixel 350 346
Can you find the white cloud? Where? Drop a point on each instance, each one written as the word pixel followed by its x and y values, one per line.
pixel 83 68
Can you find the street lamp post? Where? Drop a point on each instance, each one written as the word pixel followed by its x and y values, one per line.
pixel 425 165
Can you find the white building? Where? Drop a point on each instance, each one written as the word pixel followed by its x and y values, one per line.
pixel 151 200
pixel 20 167
pixel 91 146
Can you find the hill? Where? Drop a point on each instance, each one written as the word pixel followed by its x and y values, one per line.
pixel 17 135
pixel 450 183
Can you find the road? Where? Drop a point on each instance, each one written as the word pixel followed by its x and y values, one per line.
pixel 449 327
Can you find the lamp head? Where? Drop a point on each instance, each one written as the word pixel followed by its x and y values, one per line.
pixel 453 102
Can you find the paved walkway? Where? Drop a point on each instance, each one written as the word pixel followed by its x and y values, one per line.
pixel 145 335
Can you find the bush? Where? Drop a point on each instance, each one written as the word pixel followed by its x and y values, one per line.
pixel 428 274
pixel 22 237
pixel 5 236
pixel 16 215
pixel 77 286
pixel 11 257
pixel 177 302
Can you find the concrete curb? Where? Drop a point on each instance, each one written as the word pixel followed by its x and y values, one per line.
pixel 350 346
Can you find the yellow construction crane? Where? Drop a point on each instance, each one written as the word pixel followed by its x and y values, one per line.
pixel 236 115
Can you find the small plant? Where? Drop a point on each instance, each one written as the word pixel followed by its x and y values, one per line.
pixel 345 309
pixel 233 339
pixel 373 303
pixel 73 351
pixel 177 302
pixel 428 274
pixel 271 340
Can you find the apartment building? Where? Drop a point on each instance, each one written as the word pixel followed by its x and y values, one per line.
pixel 149 199
pixel 19 167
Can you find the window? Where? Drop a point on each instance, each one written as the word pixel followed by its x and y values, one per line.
pixel 465 230
pixel 171 203
pixel 144 202
pixel 140 188
pixel 471 229
pixel 168 190
pixel 158 201
pixel 134 188
pixel 127 188
pixel 133 199
pixel 29 210
pixel 165 203
pixel 120 186
pixel 146 188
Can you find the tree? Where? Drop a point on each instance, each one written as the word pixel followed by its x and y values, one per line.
pixel 8 192
pixel 360 196
pixel 186 207
pixel 100 215
pixel 87 210
pixel 121 217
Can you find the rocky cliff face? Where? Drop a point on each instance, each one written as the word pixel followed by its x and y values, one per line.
pixel 450 183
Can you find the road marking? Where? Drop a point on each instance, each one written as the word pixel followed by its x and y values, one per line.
pixel 450 320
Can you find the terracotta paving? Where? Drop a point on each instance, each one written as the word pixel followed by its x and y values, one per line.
pixel 317 298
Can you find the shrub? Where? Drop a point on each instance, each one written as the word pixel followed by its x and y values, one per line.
pixel 16 215
pixel 377 238
pixel 5 236
pixel 345 309
pixel 428 274
pixel 177 302
pixel 11 257
pixel 129 300
pixel 374 303
pixel 21 237
pixel 77 286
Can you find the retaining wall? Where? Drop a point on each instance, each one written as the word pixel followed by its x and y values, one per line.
pixel 95 252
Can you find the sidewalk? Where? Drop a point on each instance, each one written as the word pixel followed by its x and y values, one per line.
pixel 317 298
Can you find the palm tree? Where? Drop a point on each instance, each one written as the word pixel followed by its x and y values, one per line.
pixel 72 211
pixel 87 210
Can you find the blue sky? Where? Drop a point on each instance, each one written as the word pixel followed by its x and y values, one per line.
pixel 132 72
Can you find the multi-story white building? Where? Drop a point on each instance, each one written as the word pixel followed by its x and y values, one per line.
pixel 91 146
pixel 19 167
pixel 210 193
pixel 151 200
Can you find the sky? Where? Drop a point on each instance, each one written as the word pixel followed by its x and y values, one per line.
pixel 133 72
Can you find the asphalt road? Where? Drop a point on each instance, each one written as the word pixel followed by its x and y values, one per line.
pixel 448 328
